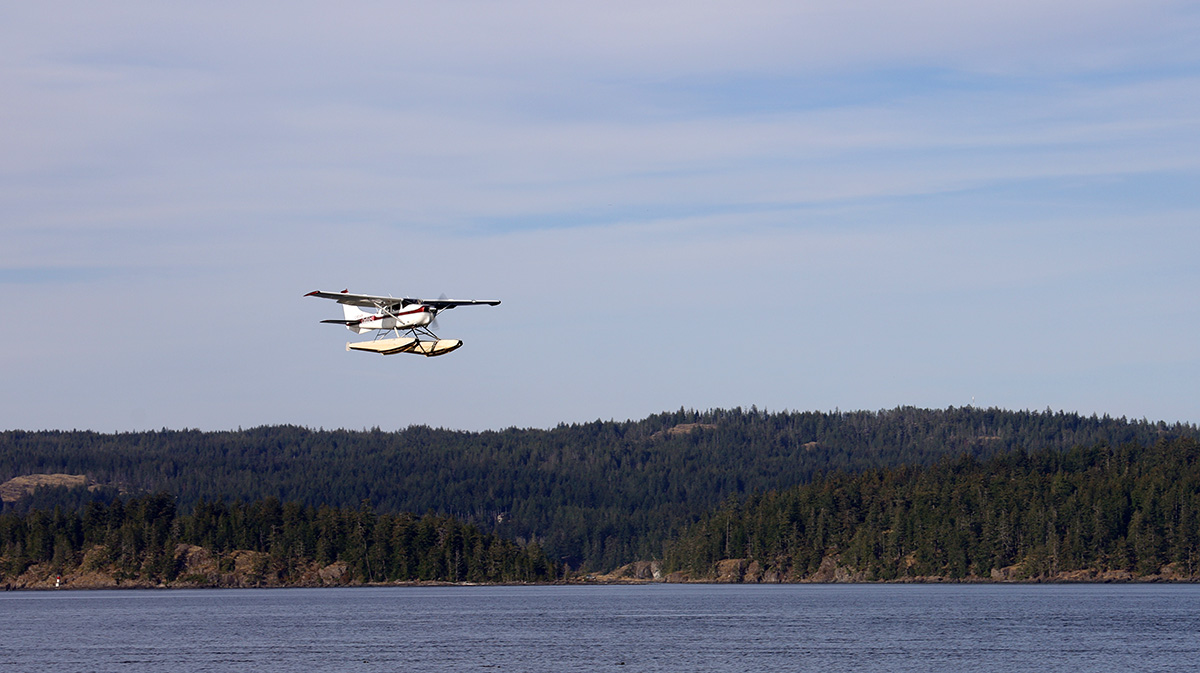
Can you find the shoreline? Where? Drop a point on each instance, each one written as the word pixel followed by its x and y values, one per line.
pixel 136 585
pixel 199 568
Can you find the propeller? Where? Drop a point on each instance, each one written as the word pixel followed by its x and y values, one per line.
pixel 433 324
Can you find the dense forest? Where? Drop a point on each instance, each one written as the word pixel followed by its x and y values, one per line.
pixel 1125 511
pixel 593 495
pixel 147 541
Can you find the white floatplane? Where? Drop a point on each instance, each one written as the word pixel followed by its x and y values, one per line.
pixel 394 316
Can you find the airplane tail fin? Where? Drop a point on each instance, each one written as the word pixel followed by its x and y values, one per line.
pixel 354 315
pixel 353 312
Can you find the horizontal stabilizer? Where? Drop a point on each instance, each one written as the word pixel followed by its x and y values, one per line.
pixel 341 322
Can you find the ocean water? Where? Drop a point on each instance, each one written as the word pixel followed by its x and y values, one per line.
pixel 895 628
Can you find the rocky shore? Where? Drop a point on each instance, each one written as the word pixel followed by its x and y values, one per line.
pixel 831 570
pixel 200 568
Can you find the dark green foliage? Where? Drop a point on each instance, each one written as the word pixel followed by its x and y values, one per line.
pixel 1131 508
pixel 596 495
pixel 141 537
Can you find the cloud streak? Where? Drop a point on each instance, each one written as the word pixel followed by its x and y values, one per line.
pixel 681 204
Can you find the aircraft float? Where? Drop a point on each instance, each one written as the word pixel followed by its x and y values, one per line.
pixel 401 322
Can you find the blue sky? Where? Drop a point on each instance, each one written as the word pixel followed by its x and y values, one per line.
pixel 801 206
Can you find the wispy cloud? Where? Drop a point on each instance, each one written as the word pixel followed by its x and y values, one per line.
pixel 791 205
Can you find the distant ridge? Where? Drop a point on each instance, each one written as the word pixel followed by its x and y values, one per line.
pixel 596 495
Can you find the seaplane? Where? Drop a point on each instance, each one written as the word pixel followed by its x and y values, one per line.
pixel 400 322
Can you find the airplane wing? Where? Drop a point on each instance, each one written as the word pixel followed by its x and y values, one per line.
pixel 442 304
pixel 394 303
pixel 367 300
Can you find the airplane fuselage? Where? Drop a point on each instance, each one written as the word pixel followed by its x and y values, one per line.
pixel 413 316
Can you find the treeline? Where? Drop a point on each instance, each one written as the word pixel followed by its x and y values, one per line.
pixel 597 495
pixel 1126 509
pixel 146 539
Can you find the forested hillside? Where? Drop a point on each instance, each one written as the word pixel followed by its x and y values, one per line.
pixel 595 495
pixel 1104 512
pixel 146 541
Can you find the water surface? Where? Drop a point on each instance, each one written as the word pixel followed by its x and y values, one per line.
pixel 1043 628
